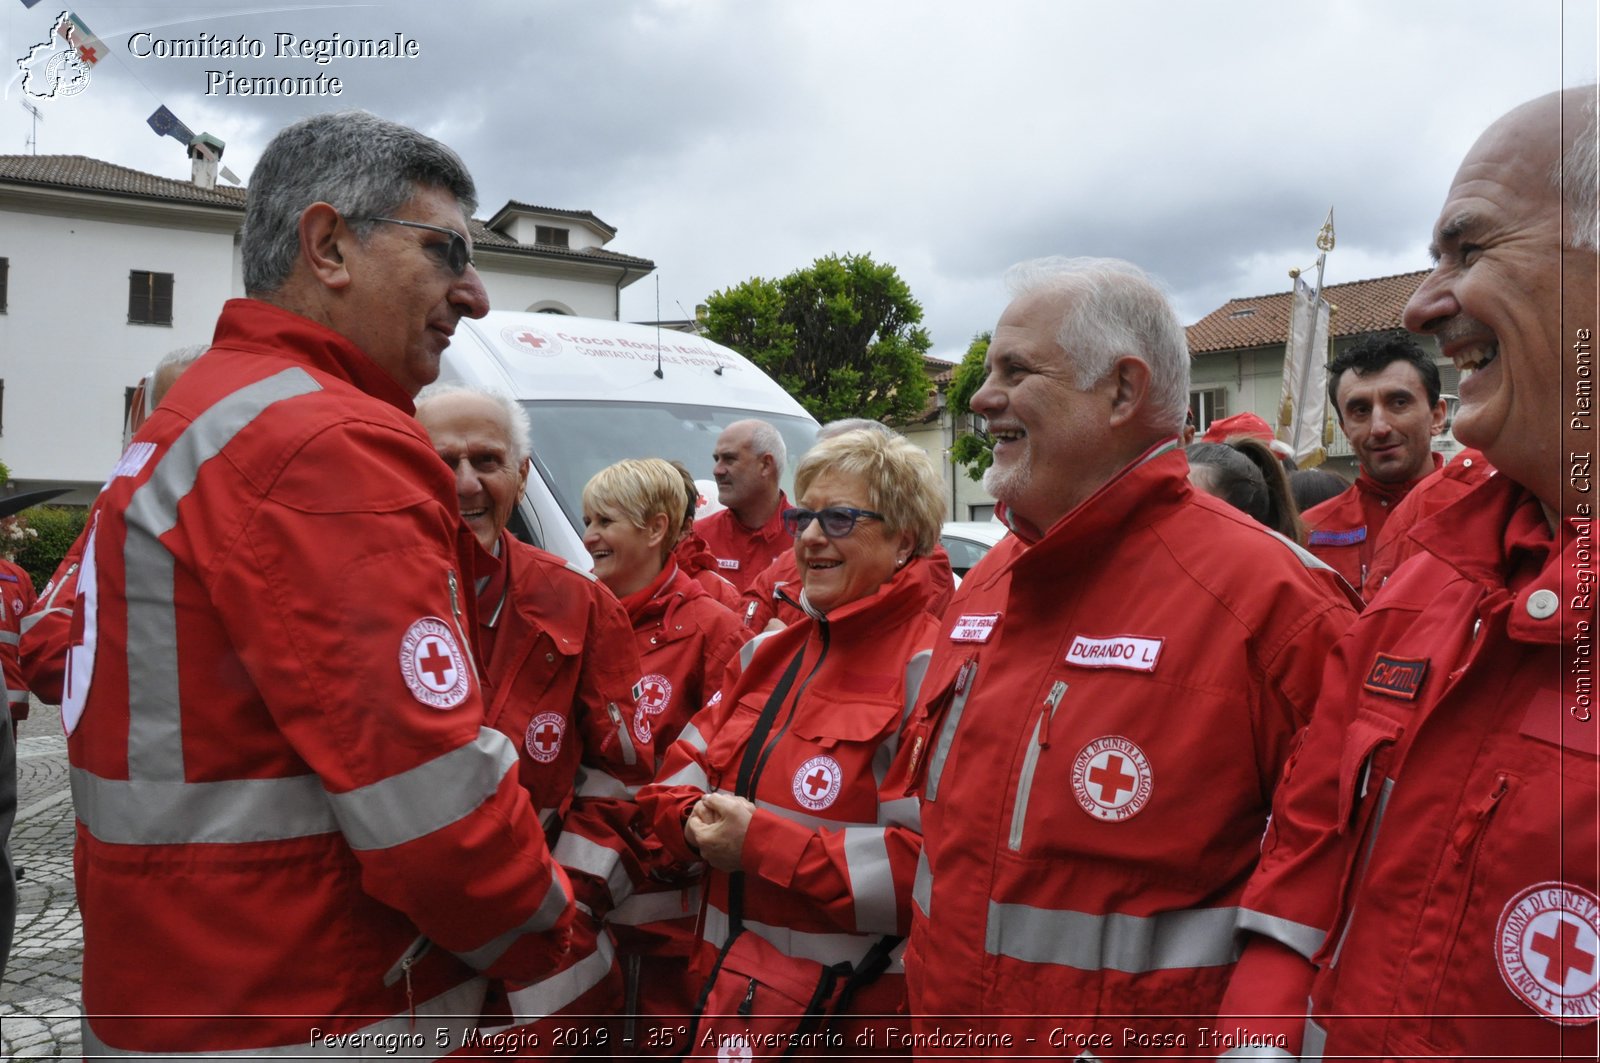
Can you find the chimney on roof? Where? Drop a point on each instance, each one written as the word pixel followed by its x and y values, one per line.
pixel 205 153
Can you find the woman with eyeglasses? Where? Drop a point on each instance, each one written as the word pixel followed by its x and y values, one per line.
pixel 783 787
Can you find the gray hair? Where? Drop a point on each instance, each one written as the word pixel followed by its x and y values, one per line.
pixel 765 439
pixel 1576 175
pixel 355 161
pixel 1115 309
pixel 517 422
pixel 181 357
pixel 854 424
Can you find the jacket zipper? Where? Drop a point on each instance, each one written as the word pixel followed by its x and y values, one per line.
pixel 945 737
pixel 1030 763
pixel 1466 834
pixel 402 968
pixel 629 756
pixel 461 633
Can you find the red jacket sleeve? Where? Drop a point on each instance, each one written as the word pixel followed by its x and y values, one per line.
pixel 47 627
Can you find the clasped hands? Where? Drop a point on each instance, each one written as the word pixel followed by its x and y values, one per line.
pixel 716 827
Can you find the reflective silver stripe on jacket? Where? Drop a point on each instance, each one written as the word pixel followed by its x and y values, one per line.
pixel 748 650
pixel 691 737
pixel 883 756
pixel 826 949
pixel 34 617
pixel 642 909
pixel 1200 937
pixel 452 1013
pixel 810 822
pixel 544 917
pixel 1305 940
pixel 155 731
pixel 901 812
pixel 16 697
pixel 396 810
pixel 428 797
pixel 1361 868
pixel 577 853
pixel 543 999
pixel 596 782
pixel 10 638
pixel 922 885
pixel 947 734
pixel 1315 1042
pixel 866 857
pixel 122 812
pixel 691 774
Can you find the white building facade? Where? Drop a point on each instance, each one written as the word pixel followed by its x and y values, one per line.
pixel 104 269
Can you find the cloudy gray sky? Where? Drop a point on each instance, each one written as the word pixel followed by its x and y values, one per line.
pixel 1204 140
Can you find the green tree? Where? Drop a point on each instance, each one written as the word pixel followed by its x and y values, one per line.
pixel 974 450
pixel 842 336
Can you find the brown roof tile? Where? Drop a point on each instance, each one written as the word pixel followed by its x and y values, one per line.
pixel 91 175
pixel 1263 320
pixel 579 215
pixel 483 236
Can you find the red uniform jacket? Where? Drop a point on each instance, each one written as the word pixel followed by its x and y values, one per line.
pixel 561 676
pixel 1433 849
pixel 742 552
pixel 16 598
pixel 1436 491
pixel 700 565
pixel 830 854
pixel 287 802
pixel 1104 719
pixel 47 627
pixel 1344 529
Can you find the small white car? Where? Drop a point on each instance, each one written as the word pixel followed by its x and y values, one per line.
pixel 966 541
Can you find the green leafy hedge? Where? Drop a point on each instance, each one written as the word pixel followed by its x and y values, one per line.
pixel 58 527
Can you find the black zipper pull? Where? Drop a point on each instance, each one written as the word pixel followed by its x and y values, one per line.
pixel 747 1005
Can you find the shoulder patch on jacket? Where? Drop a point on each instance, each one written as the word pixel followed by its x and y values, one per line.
pixel 1339 538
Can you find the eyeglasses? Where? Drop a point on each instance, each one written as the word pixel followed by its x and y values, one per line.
pixel 837 521
pixel 456 255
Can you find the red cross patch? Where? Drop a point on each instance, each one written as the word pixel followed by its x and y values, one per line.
pixel 817 783
pixel 1549 951
pixel 543 737
pixel 1111 779
pixel 432 664
pixel 531 341
pixel 652 695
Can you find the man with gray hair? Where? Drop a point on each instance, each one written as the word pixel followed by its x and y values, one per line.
pixel 284 785
pixel 1111 700
pixel 748 535
pixel 1429 882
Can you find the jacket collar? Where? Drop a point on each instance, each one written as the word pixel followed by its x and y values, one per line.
pixel 1153 484
pixel 254 325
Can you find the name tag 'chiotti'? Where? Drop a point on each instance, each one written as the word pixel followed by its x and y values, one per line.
pixel 974 627
pixel 1123 651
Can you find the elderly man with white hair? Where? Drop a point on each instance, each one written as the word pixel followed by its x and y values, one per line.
pixel 1429 882
pixel 1110 701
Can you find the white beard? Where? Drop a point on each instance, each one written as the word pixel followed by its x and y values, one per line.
pixel 1007 485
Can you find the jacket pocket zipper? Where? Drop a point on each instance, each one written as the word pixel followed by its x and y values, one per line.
pixel 455 613
pixel 1030 762
pixel 629 756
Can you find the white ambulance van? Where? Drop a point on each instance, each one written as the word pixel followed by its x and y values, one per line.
pixel 601 391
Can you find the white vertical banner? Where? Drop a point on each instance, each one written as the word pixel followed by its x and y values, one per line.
pixel 1304 405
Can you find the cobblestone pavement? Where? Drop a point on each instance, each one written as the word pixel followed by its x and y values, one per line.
pixel 39 995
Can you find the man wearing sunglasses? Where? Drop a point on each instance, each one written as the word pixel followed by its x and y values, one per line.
pixel 1110 701
pixel 284 786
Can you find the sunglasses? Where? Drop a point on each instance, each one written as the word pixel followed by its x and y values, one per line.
pixel 837 521
pixel 456 255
